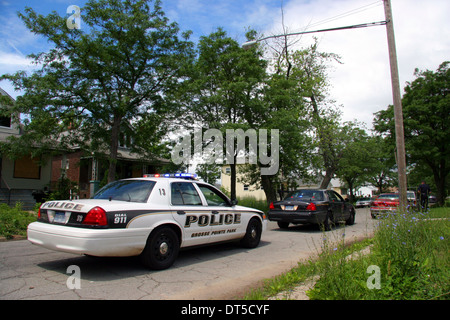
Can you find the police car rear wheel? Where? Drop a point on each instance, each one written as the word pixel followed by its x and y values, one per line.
pixel 253 234
pixel 161 250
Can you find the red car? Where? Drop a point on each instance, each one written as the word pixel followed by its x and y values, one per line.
pixel 384 203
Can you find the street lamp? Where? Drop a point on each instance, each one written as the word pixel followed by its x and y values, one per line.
pixel 398 113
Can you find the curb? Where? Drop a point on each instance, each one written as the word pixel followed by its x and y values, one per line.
pixel 14 238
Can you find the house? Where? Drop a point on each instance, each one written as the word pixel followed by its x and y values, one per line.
pixel 89 173
pixel 27 180
pixel 242 190
pixel 20 178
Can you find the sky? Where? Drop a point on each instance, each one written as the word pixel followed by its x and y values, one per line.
pixel 361 85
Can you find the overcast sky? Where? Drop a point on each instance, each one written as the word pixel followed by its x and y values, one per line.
pixel 361 85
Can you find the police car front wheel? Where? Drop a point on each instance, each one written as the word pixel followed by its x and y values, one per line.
pixel 253 234
pixel 161 249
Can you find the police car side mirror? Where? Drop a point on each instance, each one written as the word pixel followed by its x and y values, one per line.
pixel 234 202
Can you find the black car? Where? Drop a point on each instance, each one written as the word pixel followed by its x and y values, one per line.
pixel 316 206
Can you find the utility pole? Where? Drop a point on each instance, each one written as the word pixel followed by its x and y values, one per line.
pixel 398 113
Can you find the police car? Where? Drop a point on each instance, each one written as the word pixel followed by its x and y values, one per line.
pixel 153 217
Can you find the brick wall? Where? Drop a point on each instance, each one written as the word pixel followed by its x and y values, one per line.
pixel 72 165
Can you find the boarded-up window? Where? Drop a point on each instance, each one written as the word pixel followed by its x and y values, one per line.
pixel 5 122
pixel 27 168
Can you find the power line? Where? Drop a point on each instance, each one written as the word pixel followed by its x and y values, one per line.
pixel 348 13
pixel 249 44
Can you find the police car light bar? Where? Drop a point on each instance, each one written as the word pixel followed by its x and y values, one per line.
pixel 192 176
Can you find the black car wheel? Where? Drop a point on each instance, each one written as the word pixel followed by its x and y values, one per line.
pixel 327 223
pixel 351 220
pixel 253 234
pixel 161 250
pixel 283 225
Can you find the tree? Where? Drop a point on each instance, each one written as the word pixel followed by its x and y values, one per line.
pixel 210 173
pixel 356 160
pixel 426 108
pixel 381 169
pixel 223 88
pixel 106 79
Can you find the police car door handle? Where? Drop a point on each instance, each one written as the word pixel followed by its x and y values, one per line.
pixel 215 212
pixel 181 212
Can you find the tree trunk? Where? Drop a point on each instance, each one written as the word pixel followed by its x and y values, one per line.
pixel 115 131
pixel 233 180
pixel 439 175
pixel 270 192
pixel 327 179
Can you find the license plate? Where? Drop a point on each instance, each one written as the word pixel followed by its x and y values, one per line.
pixel 289 208
pixel 60 217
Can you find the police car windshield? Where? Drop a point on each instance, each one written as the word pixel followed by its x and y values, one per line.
pixel 126 190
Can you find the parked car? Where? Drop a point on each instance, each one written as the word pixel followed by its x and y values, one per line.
pixel 384 203
pixel 411 196
pixel 432 200
pixel 363 202
pixel 152 217
pixel 315 206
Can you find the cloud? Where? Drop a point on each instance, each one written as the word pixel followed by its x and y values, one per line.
pixel 362 84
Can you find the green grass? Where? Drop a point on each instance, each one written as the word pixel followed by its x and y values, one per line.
pixel 410 252
pixel 253 203
pixel 14 221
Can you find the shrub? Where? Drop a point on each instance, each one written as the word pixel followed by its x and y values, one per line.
pixel 14 221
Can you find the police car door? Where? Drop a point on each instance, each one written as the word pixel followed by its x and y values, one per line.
pixel 226 223
pixel 187 209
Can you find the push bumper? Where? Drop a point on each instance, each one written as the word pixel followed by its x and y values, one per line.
pixel 297 216
pixel 95 242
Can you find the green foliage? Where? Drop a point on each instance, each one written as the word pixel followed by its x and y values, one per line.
pixel 411 250
pixel 253 203
pixel 107 79
pixel 426 109
pixel 14 221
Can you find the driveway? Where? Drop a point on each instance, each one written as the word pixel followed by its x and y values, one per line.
pixel 216 272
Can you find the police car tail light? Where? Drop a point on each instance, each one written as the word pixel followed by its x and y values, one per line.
pixel 271 206
pixel 96 217
pixel 311 207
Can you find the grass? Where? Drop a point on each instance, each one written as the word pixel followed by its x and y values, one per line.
pixel 253 203
pixel 14 221
pixel 408 260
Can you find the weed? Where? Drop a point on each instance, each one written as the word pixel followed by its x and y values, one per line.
pixel 14 221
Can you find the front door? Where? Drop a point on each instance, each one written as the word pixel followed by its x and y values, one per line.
pixel 188 210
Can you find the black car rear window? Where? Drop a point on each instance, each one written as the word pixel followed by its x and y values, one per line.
pixel 126 190
pixel 307 195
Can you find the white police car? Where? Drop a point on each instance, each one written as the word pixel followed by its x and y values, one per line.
pixel 153 217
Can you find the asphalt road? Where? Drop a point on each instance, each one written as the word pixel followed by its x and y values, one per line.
pixel 216 272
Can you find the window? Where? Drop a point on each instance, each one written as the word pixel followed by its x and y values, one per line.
pixel 184 193
pixel 5 122
pixel 338 196
pixel 228 170
pixel 213 197
pixel 334 196
pixel 305 195
pixel 246 187
pixel 27 168
pixel 126 190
